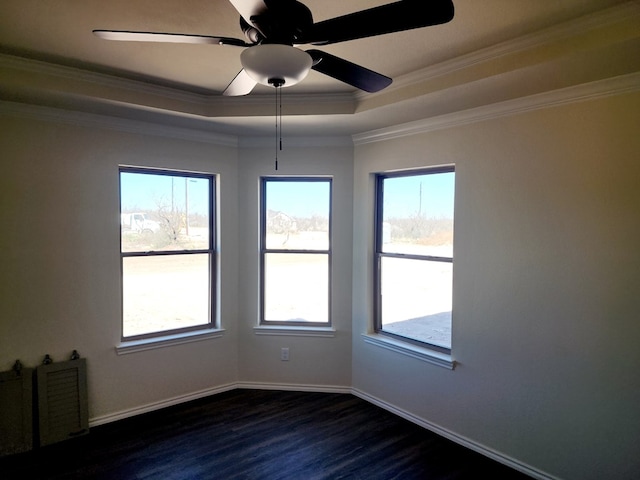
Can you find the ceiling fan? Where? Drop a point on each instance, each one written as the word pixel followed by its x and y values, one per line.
pixel 273 28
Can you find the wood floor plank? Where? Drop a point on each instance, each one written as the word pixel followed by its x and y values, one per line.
pixel 259 435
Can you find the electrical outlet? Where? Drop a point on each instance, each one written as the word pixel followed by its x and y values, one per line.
pixel 284 354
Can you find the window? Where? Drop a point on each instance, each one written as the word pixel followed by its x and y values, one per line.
pixel 414 256
pixel 167 252
pixel 295 251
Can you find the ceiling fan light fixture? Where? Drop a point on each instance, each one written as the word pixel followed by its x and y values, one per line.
pixel 275 64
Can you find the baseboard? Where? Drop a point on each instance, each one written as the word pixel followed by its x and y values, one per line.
pixel 454 437
pixel 459 439
pixel 150 407
pixel 294 387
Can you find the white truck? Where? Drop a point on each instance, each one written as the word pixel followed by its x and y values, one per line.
pixel 138 222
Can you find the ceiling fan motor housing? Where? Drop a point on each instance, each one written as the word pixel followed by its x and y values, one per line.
pixel 282 22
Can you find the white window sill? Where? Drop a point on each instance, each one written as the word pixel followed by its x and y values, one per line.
pixel 421 353
pixel 133 346
pixel 295 331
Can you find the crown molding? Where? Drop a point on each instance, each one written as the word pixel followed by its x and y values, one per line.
pixel 210 105
pixel 333 102
pixel 555 33
pixel 296 142
pixel 83 119
pixel 76 93
pixel 40 67
pixel 552 34
pixel 579 93
pixel 291 99
pixel 589 91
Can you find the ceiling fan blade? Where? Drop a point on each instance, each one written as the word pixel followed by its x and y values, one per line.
pixel 242 84
pixel 347 72
pixel 392 17
pixel 128 36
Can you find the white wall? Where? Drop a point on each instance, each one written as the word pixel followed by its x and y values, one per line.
pixel 60 273
pixel 320 362
pixel 545 293
pixel 546 288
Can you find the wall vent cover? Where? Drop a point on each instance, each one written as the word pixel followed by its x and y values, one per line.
pixel 16 411
pixel 62 401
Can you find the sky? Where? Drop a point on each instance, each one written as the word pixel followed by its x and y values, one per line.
pixel 144 192
pixel 431 195
pixel 299 198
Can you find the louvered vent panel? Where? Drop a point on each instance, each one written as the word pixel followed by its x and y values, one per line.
pixel 16 407
pixel 62 401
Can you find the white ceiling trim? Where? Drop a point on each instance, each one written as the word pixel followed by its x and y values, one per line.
pixel 540 38
pixel 92 120
pixel 588 91
pixel 296 141
pixel 216 105
pixel 39 67
pixel 111 81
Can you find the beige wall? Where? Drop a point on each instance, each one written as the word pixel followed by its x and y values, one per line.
pixel 546 288
pixel 60 274
pixel 314 361
pixel 545 326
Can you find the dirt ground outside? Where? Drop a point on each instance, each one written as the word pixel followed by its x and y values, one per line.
pixel 171 292
pixel 165 293
pixel 416 299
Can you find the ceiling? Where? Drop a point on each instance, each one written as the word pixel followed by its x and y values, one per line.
pixel 60 34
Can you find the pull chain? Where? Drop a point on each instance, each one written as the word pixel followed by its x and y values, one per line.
pixel 276 117
pixel 280 92
pixel 278 83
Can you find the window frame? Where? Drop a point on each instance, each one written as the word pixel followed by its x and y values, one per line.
pixel 262 322
pixel 212 251
pixel 379 254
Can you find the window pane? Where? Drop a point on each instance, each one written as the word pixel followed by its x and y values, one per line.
pixel 418 214
pixel 164 293
pixel 296 287
pixel 416 299
pixel 164 212
pixel 297 215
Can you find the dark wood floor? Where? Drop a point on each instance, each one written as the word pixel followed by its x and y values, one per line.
pixel 259 435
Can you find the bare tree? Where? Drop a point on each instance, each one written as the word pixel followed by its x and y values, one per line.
pixel 172 218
